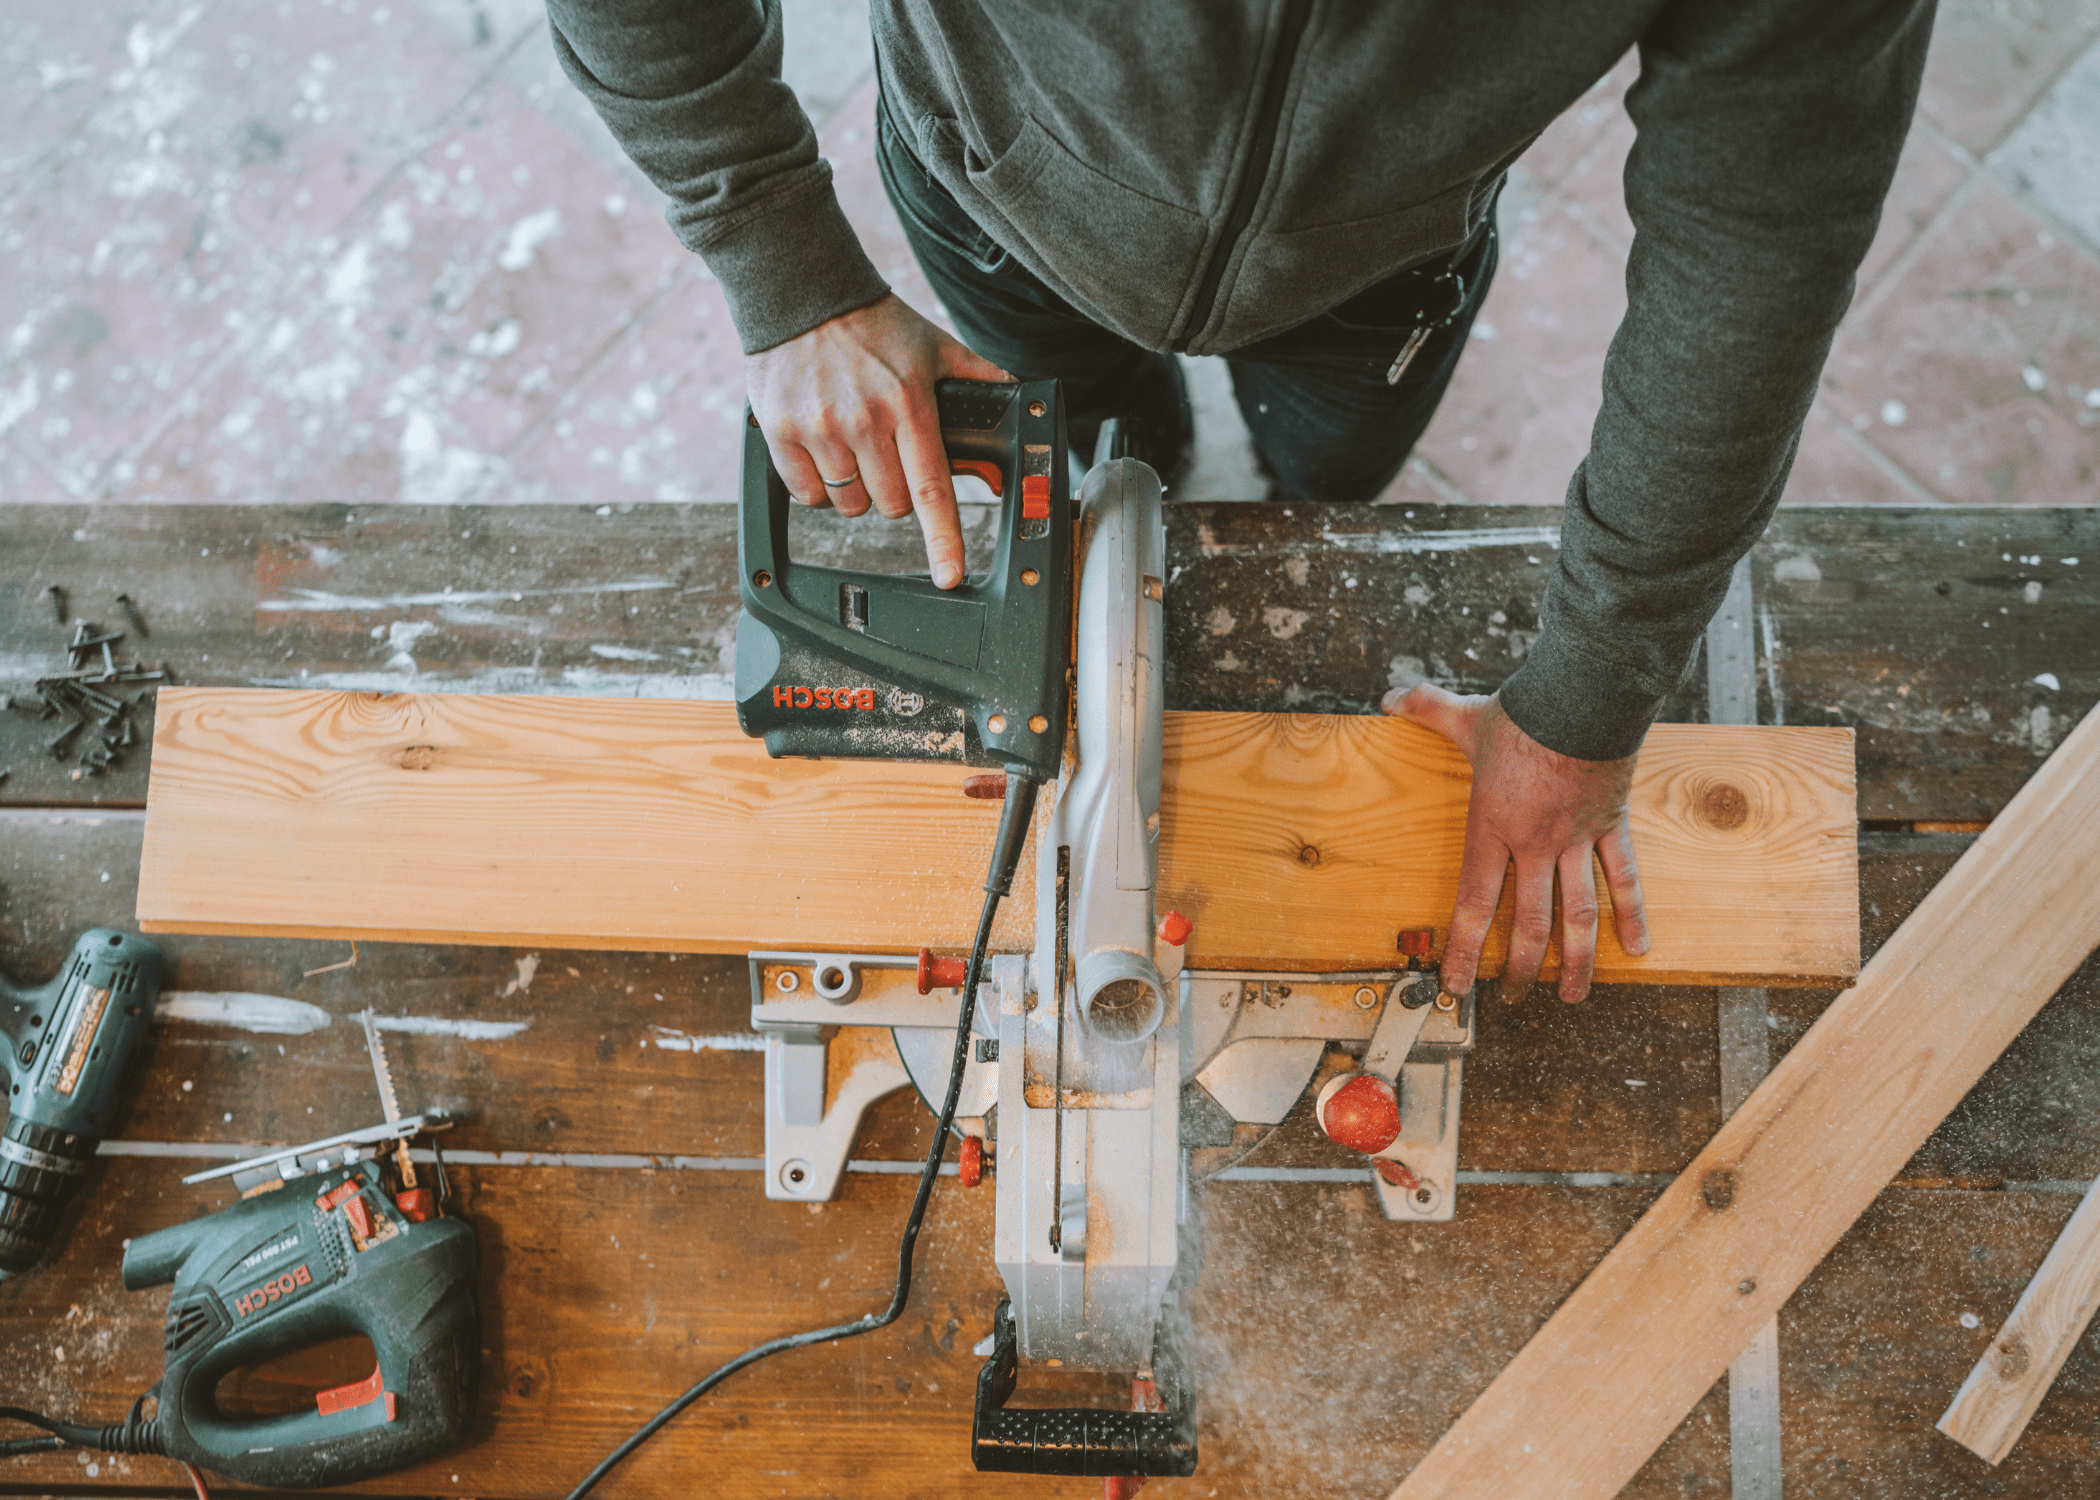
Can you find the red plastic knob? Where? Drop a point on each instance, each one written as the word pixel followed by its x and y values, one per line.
pixel 940 973
pixel 971 1161
pixel 1416 942
pixel 1175 928
pixel 1363 1114
pixel 417 1204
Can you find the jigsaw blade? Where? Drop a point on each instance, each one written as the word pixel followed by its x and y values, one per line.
pixel 381 1073
pixel 389 1102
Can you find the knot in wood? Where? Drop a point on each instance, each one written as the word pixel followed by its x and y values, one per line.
pixel 2011 1358
pixel 1745 1287
pixel 1723 806
pixel 418 758
pixel 1308 856
pixel 1718 1188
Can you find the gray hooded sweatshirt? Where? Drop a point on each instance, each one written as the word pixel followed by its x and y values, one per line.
pixel 1200 174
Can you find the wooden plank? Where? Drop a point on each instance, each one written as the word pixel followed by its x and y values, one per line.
pixel 1731 1239
pixel 1996 1402
pixel 631 824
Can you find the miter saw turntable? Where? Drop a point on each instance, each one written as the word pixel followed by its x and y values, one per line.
pixel 1105 1075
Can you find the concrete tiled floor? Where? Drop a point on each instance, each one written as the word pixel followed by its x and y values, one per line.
pixel 340 250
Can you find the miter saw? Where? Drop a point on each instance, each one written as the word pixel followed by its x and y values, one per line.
pixel 1100 1061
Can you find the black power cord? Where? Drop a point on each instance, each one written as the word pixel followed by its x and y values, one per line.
pixel 1014 818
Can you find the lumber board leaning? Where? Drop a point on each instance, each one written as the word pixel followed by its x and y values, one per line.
pixel 1301 840
pixel 1596 1391
pixel 1994 1405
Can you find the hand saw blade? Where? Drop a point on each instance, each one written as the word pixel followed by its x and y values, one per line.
pixel 388 1101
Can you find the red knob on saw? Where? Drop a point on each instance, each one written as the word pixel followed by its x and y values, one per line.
pixel 1416 942
pixel 970 1161
pixel 941 973
pixel 1363 1114
pixel 1175 928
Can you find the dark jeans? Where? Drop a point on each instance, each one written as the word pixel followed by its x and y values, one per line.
pixel 1315 398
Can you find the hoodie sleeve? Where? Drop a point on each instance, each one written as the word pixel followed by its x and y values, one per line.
pixel 692 91
pixel 1767 137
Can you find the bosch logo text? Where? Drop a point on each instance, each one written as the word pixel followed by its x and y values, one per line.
pixel 270 1291
pixel 805 697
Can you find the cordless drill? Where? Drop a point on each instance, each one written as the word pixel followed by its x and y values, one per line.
pixel 68 1046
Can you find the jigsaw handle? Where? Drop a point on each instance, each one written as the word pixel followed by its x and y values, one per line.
pixel 412 1296
pixel 835 662
pixel 1083 1441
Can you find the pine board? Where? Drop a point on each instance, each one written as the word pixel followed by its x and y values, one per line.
pixel 1288 840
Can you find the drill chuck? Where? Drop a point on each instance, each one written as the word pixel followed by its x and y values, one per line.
pixel 69 1044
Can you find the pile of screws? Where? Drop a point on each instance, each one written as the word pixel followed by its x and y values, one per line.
pixel 87 695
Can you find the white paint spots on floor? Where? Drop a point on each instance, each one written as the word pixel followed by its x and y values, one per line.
pixel 528 966
pixel 625 653
pixel 1220 621
pixel 19 402
pixel 433 473
pixel 2048 680
pixel 732 1041
pixel 1284 623
pixel 471 1031
pixel 526 236
pixel 1386 543
pixel 395 230
pixel 1800 567
pixel 349 286
pixel 320 601
pixel 400 636
pixel 2032 592
pixel 574 682
pixel 1770 631
pixel 277 1015
pixel 271 1015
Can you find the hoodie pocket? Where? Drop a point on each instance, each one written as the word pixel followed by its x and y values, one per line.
pixel 1126 256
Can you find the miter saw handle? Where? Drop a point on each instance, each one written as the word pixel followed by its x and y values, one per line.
pixel 888 666
pixel 1071 1440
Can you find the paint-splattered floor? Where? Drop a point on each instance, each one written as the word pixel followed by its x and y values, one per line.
pixel 379 249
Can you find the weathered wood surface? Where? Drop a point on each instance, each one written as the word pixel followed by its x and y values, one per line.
pixel 1872 1345
pixel 1289 840
pixel 1996 1402
pixel 1914 627
pixel 1790 1171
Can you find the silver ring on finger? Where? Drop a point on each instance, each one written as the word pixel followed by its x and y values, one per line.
pixel 839 484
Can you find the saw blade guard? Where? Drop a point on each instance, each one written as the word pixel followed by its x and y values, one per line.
pixel 1108 809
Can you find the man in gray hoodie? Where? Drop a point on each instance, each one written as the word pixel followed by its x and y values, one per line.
pixel 1307 187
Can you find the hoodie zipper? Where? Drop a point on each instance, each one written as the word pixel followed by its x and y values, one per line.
pixel 1296 14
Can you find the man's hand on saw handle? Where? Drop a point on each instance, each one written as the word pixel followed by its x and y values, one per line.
pixel 1545 813
pixel 852 400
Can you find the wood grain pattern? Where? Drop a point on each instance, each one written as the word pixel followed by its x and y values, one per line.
pixel 1996 1402
pixel 1789 1172
pixel 1289 839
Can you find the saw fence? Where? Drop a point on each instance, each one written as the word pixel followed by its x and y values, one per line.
pixel 610 1154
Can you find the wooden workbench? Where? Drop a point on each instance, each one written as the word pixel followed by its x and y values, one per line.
pixel 1332 1347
